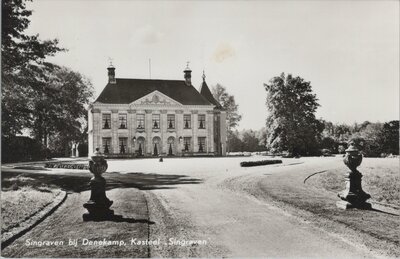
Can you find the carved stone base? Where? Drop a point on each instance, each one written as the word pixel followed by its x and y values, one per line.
pixel 347 205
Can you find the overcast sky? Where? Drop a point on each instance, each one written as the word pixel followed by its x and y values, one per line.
pixel 349 50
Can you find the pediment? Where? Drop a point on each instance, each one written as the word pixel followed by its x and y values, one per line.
pixel 156 98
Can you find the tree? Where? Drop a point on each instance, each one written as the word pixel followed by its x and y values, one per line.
pixel 291 123
pixel 61 114
pixel 389 137
pixel 234 142
pixel 21 56
pixel 368 135
pixel 228 103
pixel 250 141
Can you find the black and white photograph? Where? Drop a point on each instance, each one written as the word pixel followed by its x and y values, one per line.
pixel 200 129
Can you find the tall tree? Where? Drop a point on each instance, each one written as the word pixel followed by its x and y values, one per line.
pixel 61 108
pixel 251 142
pixel 389 137
pixel 227 102
pixel 291 123
pixel 22 56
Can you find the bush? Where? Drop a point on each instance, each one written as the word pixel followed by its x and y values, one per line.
pixel 18 149
pixel 257 163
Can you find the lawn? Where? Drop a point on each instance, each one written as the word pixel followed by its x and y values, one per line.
pixel 381 179
pixel 314 198
pixel 21 198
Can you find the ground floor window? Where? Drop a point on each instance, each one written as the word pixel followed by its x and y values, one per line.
pixel 202 144
pixel 140 142
pixel 106 145
pixel 186 143
pixel 171 147
pixel 122 145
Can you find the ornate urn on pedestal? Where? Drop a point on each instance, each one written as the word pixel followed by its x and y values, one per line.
pixel 353 196
pixel 98 205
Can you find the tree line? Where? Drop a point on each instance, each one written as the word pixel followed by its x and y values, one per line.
pixel 43 106
pixel 292 128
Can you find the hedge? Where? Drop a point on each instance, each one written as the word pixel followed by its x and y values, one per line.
pixel 257 163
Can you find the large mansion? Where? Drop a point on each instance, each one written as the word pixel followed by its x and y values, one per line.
pixel 149 117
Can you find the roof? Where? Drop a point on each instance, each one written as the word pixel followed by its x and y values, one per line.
pixel 126 91
pixel 205 91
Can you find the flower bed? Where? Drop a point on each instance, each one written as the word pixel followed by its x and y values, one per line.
pixel 67 166
pixel 257 163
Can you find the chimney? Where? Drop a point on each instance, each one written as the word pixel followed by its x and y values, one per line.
pixel 188 75
pixel 111 74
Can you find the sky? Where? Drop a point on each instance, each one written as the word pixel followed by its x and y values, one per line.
pixel 348 50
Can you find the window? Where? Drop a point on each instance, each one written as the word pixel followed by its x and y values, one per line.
pixel 202 121
pixel 122 145
pixel 106 145
pixel 156 121
pixel 186 143
pixel 140 121
pixel 171 121
pixel 187 121
pixel 106 121
pixel 202 144
pixel 122 121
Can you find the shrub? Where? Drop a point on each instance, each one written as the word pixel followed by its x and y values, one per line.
pixel 257 163
pixel 19 149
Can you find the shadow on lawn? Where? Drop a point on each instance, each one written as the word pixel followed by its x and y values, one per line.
pixel 78 182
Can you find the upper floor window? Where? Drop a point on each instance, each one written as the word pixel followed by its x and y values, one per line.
pixel 156 121
pixel 187 119
pixel 186 143
pixel 106 121
pixel 140 121
pixel 171 121
pixel 122 121
pixel 202 121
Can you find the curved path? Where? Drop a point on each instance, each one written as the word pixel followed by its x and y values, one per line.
pixel 236 224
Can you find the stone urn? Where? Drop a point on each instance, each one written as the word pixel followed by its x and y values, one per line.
pixel 98 204
pixel 353 196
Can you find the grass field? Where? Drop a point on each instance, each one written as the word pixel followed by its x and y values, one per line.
pixel 381 179
pixel 21 198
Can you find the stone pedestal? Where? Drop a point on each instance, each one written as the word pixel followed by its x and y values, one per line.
pixel 353 196
pixel 98 204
